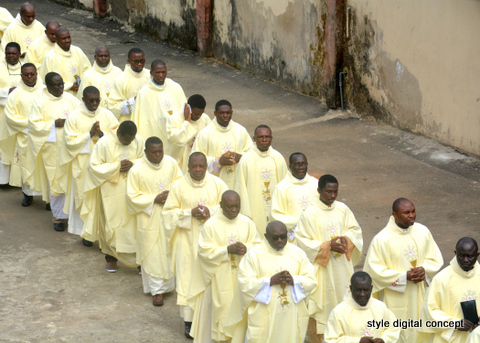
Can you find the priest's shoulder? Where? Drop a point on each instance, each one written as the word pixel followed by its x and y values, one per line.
pixel 443 276
pixel 276 153
pixel 296 251
pixel 244 218
pixel 175 84
pixel 77 49
pixel 420 228
pixel 379 304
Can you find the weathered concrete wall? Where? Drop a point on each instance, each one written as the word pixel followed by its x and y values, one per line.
pixel 173 21
pixel 415 64
pixel 282 40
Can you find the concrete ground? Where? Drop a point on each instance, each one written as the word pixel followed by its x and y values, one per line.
pixel 53 289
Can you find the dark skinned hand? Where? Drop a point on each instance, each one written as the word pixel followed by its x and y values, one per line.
pixel 237 157
pixel 378 340
pixel 282 278
pixel 198 214
pixel 227 159
pixel 74 87
pixel 416 274
pixel 340 248
pixel 95 130
pixel 237 248
pixel 59 122
pixel 11 90
pixel 467 325
pixel 367 339
pixel 125 166
pixel 161 198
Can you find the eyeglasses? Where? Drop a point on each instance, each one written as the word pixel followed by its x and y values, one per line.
pixel 299 165
pixel 91 101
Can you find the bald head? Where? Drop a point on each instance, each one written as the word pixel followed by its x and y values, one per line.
pixel 102 56
pixel 50 29
pixel 276 235
pixel 230 204
pixel 27 14
pixel 467 253
pixel 399 202
pixel 62 35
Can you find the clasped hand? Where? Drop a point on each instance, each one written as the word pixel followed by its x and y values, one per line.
pixel 282 278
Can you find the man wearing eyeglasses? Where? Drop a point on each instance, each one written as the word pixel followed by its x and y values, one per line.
pixel 10 69
pixel 67 60
pixel 294 194
pixel 126 86
pixel 17 110
pixel 275 279
pixel 83 128
pixel 23 30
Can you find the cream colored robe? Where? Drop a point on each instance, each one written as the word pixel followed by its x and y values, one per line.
pixel 71 65
pixel 22 34
pixel 125 88
pixel 45 141
pixel 316 227
pixel 102 79
pixel 257 175
pixel 37 51
pixel 447 290
pixel 217 270
pixel 182 230
pixel 391 254
pixel 144 182
pixel 104 208
pixel 19 105
pixel 75 152
pixel 347 322
pixel 291 197
pixel 154 105
pixel 5 19
pixel 11 77
pixel 214 141
pixel 285 317
pixel 474 336
pixel 181 135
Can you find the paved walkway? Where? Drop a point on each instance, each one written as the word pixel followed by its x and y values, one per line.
pixel 53 289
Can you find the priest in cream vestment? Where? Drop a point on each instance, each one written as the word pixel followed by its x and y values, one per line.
pixel 191 202
pixel 67 60
pixel 45 138
pixel 348 322
pixel 332 239
pixel 223 242
pixel 275 279
pixel 10 69
pixel 17 110
pixel 5 19
pixel 102 75
pixel 474 336
pixel 23 30
pixel 223 142
pixel 457 283
pixel 148 184
pixel 42 45
pixel 402 259
pixel 294 194
pixel 258 173
pixel 156 102
pixel 125 88
pixel 183 128
pixel 104 207
pixel 82 130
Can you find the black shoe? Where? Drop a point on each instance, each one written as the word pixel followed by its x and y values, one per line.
pixel 47 207
pixel 59 227
pixel 188 326
pixel 27 200
pixel 87 243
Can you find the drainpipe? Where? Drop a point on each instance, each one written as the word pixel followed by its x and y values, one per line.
pixel 341 91
pixel 204 27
